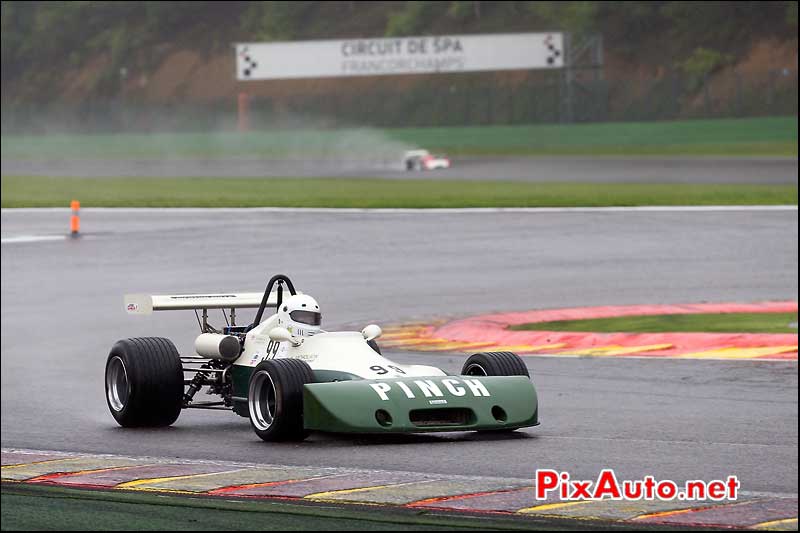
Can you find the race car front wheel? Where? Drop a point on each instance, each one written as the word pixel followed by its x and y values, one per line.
pixel 495 364
pixel 144 382
pixel 275 399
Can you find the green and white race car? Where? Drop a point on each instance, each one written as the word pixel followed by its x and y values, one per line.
pixel 289 377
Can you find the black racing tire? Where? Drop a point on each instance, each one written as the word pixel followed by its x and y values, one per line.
pixel 275 399
pixel 495 364
pixel 144 382
pixel 374 345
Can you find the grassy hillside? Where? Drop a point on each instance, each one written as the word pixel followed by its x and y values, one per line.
pixel 104 48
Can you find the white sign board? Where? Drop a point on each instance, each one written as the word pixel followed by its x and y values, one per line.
pixel 401 55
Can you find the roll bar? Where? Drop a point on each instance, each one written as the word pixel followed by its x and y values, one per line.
pixel 280 279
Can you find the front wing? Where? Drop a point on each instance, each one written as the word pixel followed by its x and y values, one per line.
pixel 411 405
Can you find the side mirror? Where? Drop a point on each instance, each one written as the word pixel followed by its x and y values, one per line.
pixel 373 331
pixel 282 335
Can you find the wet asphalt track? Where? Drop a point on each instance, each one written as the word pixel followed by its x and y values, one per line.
pixel 62 310
pixel 610 169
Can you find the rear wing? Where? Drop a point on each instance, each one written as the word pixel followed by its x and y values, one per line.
pixel 145 304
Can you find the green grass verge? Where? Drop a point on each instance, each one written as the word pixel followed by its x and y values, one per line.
pixel 730 137
pixel 19 191
pixel 707 323
pixel 30 507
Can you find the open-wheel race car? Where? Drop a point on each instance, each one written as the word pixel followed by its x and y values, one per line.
pixel 289 377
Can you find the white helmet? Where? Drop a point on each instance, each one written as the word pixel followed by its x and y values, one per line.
pixel 300 315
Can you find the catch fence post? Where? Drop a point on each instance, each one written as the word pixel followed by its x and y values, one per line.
pixel 243 108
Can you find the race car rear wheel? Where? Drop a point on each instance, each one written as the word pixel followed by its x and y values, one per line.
pixel 144 382
pixel 275 399
pixel 495 364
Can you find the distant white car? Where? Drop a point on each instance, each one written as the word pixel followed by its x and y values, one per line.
pixel 423 160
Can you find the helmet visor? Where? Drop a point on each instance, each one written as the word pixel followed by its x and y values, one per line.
pixel 307 317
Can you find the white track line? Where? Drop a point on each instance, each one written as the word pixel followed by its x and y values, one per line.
pixel 416 211
pixel 31 238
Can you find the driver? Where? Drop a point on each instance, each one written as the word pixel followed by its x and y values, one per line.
pixel 300 315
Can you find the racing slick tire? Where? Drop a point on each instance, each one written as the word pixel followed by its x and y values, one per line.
pixel 144 382
pixel 275 399
pixel 495 364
